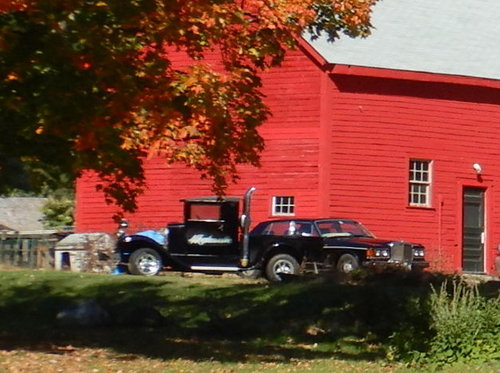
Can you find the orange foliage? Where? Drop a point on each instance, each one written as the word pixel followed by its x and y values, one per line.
pixel 129 97
pixel 15 5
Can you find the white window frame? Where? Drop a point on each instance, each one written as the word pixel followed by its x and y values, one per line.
pixel 420 182
pixel 283 206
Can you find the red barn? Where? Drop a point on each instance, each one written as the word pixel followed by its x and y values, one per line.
pixel 398 130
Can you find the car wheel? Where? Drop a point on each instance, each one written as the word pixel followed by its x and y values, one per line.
pixel 347 263
pixel 281 266
pixel 145 262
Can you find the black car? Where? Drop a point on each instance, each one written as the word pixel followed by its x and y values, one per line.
pixel 347 244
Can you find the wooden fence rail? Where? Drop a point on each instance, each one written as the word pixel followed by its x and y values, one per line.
pixel 27 250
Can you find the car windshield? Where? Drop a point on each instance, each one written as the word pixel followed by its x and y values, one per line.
pixel 342 228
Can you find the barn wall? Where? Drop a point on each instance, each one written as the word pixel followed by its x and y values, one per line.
pixel 378 125
pixel 289 163
pixel 341 144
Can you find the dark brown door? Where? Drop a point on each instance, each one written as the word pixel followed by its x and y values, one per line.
pixel 473 230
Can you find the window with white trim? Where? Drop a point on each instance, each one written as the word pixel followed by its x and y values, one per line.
pixel 283 206
pixel 420 183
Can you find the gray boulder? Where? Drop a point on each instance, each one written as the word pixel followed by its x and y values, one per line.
pixel 85 313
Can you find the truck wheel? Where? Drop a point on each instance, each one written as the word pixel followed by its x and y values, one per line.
pixel 281 266
pixel 251 274
pixel 145 262
pixel 347 263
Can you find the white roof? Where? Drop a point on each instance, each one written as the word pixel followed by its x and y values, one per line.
pixel 457 37
pixel 22 213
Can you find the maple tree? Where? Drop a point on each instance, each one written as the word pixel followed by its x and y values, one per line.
pixel 91 84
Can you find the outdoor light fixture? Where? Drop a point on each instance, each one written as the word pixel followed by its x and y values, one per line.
pixel 477 167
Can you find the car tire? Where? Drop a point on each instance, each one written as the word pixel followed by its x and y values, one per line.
pixel 347 263
pixel 145 262
pixel 282 266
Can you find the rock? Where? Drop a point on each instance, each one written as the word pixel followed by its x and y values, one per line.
pixel 85 313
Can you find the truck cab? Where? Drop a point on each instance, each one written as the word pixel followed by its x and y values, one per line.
pixel 210 235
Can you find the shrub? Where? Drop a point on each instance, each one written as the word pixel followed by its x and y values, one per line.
pixel 466 325
pixel 458 325
pixel 413 334
pixel 58 210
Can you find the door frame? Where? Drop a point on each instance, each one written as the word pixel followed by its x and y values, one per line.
pixel 486 188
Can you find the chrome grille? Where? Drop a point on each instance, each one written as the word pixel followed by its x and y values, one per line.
pixel 401 253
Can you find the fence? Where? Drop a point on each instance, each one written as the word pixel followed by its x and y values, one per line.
pixel 27 250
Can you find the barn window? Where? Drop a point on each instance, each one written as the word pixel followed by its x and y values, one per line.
pixel 420 183
pixel 283 205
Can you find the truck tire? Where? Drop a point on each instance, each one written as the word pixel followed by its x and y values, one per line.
pixel 250 274
pixel 145 262
pixel 347 263
pixel 281 266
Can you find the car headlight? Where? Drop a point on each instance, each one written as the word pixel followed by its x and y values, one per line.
pixel 381 253
pixel 418 253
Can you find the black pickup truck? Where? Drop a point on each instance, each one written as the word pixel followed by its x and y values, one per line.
pixel 215 238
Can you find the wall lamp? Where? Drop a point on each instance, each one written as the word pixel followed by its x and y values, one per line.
pixel 477 167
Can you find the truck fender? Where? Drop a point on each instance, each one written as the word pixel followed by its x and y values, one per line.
pixel 129 244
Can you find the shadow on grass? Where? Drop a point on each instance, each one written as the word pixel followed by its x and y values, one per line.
pixel 240 321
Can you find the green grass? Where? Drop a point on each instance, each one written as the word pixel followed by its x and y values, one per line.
pixel 223 322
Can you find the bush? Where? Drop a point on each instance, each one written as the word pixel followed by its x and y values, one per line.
pixel 413 334
pixel 58 210
pixel 467 325
pixel 462 327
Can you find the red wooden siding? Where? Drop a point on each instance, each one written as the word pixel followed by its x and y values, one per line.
pixel 341 144
pixel 289 164
pixel 378 125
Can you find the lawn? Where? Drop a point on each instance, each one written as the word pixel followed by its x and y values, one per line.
pixel 202 323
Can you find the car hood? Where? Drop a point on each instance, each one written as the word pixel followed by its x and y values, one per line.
pixel 360 242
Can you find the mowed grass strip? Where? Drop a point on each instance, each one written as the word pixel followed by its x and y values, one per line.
pixel 209 323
